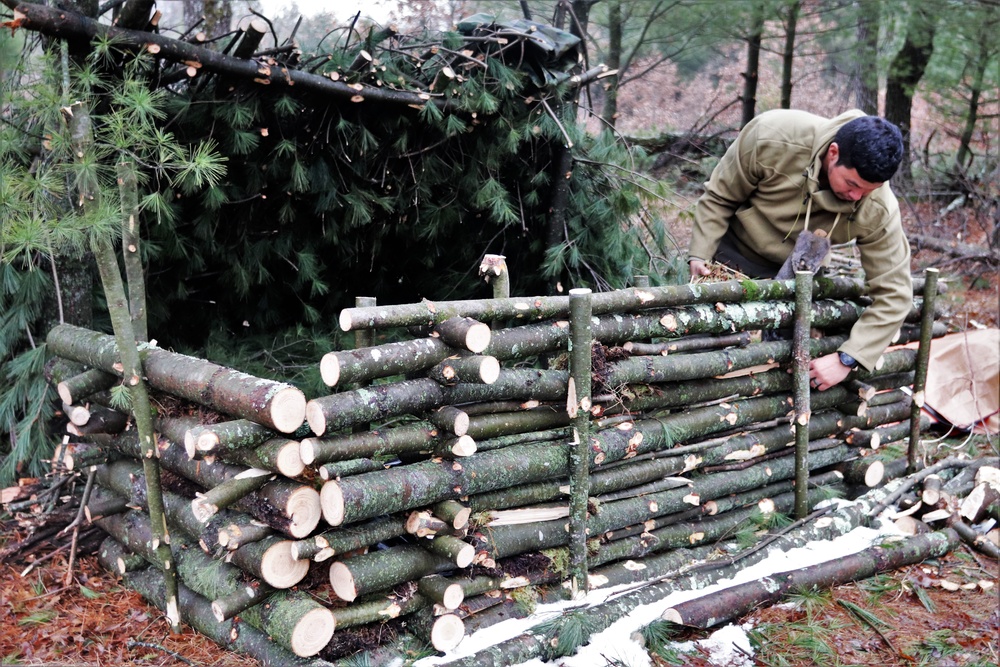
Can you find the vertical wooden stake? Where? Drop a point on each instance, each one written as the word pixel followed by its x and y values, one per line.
pixel 800 385
pixel 578 403
pixel 364 337
pixel 920 372
pixel 493 269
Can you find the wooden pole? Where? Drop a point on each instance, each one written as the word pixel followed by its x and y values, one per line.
pixel 578 403
pixel 920 372
pixel 800 361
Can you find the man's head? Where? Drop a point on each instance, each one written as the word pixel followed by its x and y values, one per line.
pixel 865 153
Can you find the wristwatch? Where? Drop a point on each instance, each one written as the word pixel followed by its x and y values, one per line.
pixel 848 360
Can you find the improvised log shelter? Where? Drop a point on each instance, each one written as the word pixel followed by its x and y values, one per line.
pixel 385 515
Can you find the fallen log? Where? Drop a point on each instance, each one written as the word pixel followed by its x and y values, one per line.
pixel 740 339
pixel 77 388
pixel 711 610
pixel 273 404
pixel 391 441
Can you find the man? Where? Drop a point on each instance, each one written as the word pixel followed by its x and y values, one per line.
pixel 790 170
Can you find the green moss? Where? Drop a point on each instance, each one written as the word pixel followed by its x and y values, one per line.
pixel 751 289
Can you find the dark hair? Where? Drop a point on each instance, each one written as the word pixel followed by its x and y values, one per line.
pixel 872 145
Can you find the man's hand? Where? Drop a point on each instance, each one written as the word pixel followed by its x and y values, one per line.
pixel 698 268
pixel 827 371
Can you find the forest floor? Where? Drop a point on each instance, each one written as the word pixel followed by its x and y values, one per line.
pixel 92 620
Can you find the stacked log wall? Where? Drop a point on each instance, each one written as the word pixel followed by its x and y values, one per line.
pixel 447 452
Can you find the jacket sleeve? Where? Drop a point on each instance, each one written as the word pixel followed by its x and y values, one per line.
pixel 885 257
pixel 732 182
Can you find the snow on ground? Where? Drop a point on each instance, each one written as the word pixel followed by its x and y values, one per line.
pixel 615 643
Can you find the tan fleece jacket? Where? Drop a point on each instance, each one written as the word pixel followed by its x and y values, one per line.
pixel 761 189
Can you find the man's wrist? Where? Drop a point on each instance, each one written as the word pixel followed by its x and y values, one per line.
pixel 848 360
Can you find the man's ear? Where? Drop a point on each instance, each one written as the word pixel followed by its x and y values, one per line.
pixel 833 153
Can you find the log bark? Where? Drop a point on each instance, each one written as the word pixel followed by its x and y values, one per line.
pixel 473 368
pixel 205 505
pixel 801 354
pixel 350 408
pixel 699 343
pixel 350 538
pixel 365 364
pixel 79 387
pixel 62 24
pixel 503 541
pixel 920 369
pixel 464 333
pixel 269 559
pixel 725 605
pixel 273 404
pixel 415 438
pixel 292 619
pixel 619 301
pixel 279 455
pixel 232 635
pixel 378 570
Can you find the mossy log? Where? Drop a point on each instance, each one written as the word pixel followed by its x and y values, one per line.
pixel 502 541
pixel 420 437
pixel 293 619
pixel 361 406
pixel 473 368
pixel 273 404
pixel 693 343
pixel 279 455
pixel 341 368
pixel 77 388
pixel 233 634
pixel 382 569
pixel 344 540
pixel 268 559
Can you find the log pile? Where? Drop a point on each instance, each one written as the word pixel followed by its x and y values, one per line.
pixel 438 475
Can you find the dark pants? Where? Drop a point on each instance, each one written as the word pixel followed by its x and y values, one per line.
pixel 730 255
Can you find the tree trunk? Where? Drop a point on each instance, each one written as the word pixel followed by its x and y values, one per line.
pixel 750 76
pixel 982 59
pixel 864 77
pixel 609 112
pixel 378 570
pixel 905 72
pixel 131 367
pixel 134 270
pixel 711 610
pixel 273 404
pixel 788 54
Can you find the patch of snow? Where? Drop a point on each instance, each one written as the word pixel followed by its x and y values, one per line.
pixel 615 643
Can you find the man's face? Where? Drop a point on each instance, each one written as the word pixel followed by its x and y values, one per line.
pixel 844 182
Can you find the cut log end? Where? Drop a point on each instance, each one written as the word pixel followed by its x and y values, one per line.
pixel 304 509
pixel 453 597
pixel 203 510
pixel 64 393
pixel 313 632
pixel 288 410
pixel 289 460
pixel 346 322
pixel 279 569
pixel 329 369
pixel 465 556
pixel 307 451
pixel 875 474
pixel 331 500
pixel 447 633
pixel 342 582
pixel 477 338
pixel 315 417
pixel 463 446
pixel 489 370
